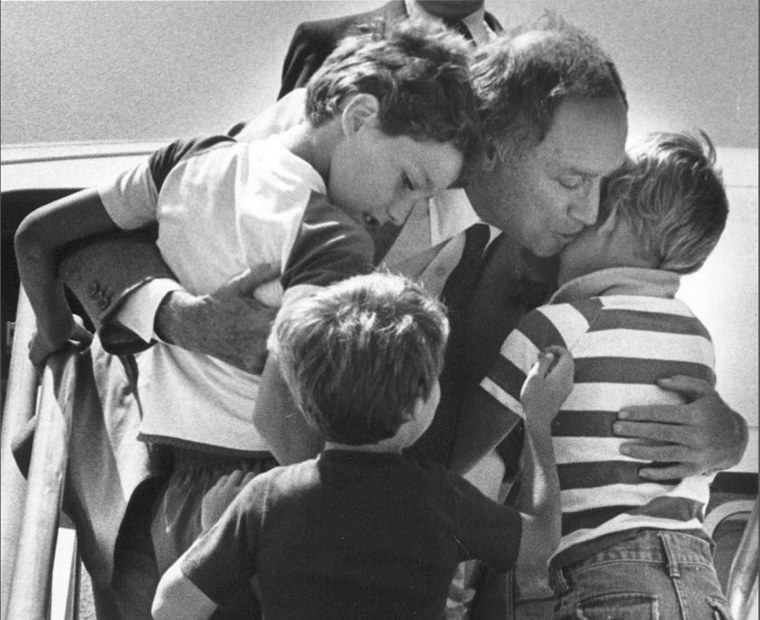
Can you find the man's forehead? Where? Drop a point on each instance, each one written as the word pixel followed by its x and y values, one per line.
pixel 586 137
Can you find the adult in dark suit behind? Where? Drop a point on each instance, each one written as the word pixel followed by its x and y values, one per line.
pixel 314 41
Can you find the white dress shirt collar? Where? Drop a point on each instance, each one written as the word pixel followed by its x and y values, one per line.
pixel 475 21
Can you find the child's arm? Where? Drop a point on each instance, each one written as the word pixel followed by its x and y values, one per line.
pixel 481 426
pixel 546 387
pixel 278 420
pixel 178 597
pixel 39 240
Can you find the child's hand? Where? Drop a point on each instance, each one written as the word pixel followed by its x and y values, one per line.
pixel 548 383
pixel 50 338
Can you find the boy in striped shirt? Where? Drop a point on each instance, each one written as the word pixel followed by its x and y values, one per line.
pixel 628 545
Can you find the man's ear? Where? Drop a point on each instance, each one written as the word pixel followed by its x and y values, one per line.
pixel 361 109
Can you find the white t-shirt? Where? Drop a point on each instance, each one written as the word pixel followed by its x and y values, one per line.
pixel 222 207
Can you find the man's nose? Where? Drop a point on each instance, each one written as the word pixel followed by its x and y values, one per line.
pixel 585 208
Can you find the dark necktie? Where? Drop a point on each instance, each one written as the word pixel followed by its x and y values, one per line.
pixel 438 441
pixel 459 286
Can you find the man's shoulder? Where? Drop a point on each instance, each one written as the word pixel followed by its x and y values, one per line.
pixel 334 29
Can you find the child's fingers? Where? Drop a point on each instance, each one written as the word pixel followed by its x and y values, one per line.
pixel 556 349
pixel 545 361
pixel 564 363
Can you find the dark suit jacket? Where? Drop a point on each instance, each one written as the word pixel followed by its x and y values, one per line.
pixel 314 41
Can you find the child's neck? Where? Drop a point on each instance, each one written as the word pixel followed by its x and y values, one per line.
pixel 315 145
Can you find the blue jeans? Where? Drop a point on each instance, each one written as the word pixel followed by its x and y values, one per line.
pixel 655 575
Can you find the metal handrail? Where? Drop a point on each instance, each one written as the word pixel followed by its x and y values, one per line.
pixel 20 404
pixel 30 525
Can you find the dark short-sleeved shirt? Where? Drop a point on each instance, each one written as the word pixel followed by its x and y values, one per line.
pixel 352 535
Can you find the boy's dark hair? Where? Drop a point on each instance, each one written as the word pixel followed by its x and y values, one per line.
pixel 673 198
pixel 357 354
pixel 521 78
pixel 420 74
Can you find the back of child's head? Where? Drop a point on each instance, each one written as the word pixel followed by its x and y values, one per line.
pixel 357 354
pixel 420 74
pixel 673 198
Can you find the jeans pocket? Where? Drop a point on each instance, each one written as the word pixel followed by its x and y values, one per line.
pixel 619 606
pixel 719 608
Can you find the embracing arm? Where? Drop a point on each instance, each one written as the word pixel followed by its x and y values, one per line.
pixel 40 239
pixel 703 436
pixel 229 324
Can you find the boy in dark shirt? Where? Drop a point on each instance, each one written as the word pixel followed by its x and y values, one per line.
pixel 359 532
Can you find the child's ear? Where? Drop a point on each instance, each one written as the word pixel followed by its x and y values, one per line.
pixel 357 112
pixel 609 223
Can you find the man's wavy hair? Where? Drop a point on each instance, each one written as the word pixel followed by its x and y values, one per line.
pixel 673 198
pixel 357 354
pixel 420 74
pixel 522 77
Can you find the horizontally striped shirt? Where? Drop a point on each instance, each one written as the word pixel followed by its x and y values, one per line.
pixel 625 330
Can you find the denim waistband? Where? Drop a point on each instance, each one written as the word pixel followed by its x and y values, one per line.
pixel 674 549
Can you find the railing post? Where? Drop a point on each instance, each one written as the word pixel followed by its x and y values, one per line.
pixel 30 589
pixel 20 403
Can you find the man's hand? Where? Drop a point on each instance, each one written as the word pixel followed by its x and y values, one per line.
pixel 228 324
pixel 700 437
pixel 51 338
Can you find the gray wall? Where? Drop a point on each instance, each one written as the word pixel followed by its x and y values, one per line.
pixel 150 71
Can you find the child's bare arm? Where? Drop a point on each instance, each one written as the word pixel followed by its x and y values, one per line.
pixel 278 420
pixel 39 240
pixel 178 597
pixel 547 386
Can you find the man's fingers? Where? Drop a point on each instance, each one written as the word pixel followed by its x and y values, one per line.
pixel 649 413
pixel 659 453
pixel 251 279
pixel 690 387
pixel 658 432
pixel 674 472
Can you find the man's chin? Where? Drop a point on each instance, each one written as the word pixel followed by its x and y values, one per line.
pixel 549 248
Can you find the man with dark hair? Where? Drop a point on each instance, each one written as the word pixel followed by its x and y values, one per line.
pixel 553 134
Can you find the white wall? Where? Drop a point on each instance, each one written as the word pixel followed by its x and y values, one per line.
pixel 153 71
pixel 150 71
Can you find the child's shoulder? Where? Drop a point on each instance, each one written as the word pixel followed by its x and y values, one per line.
pixel 281 480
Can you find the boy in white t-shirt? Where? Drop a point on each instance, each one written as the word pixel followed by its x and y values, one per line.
pixel 390 118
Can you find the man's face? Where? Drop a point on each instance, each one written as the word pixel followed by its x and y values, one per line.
pixel 377 178
pixel 547 194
